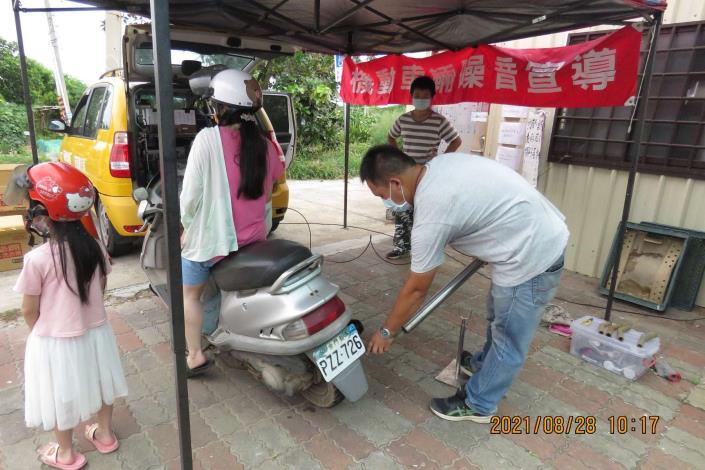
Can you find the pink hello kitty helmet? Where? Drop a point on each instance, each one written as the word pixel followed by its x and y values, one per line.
pixel 64 191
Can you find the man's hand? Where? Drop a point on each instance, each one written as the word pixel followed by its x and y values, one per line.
pixel 379 345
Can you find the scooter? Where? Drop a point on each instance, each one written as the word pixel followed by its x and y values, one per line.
pixel 269 306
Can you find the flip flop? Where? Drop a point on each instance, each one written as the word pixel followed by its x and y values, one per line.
pixel 196 371
pixel 561 330
pixel 100 447
pixel 49 457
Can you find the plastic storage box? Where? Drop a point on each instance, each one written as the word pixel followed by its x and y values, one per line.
pixel 624 358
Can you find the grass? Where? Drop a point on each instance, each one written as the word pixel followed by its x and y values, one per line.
pixel 320 163
pixel 15 158
pixel 317 163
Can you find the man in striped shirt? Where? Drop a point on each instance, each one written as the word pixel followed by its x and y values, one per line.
pixel 422 131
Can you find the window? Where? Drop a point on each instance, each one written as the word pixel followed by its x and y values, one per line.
pixel 277 108
pixel 106 111
pixel 79 116
pixel 95 106
pixel 674 132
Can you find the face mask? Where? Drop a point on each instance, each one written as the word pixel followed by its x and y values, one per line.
pixel 41 228
pixel 421 104
pixel 390 204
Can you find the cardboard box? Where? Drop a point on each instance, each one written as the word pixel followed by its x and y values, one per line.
pixel 5 172
pixel 13 242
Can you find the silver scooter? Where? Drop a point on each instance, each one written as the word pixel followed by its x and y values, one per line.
pixel 270 308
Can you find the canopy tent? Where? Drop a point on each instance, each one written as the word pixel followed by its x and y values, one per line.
pixel 349 27
pixel 392 27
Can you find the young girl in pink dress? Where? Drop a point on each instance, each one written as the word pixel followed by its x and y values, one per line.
pixel 72 365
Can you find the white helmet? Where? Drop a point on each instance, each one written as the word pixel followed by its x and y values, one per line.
pixel 236 88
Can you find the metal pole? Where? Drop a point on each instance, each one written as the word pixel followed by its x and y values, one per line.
pixel 347 164
pixel 25 84
pixel 161 44
pixel 440 297
pixel 642 103
pixel 347 144
pixel 58 69
pixel 461 347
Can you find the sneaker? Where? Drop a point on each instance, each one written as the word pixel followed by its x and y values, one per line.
pixel 455 409
pixel 466 366
pixel 397 254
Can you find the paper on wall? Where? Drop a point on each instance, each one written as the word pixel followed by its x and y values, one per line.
pixel 182 118
pixel 509 156
pixel 510 111
pixel 478 116
pixel 511 133
pixel 532 148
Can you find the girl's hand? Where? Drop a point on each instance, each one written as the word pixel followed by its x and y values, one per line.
pixel 30 310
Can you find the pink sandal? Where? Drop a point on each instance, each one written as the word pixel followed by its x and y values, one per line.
pixel 102 448
pixel 50 454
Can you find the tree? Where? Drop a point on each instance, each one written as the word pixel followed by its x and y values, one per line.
pixel 310 79
pixel 41 80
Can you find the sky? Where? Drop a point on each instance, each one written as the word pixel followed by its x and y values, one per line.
pixel 81 39
pixel 80 36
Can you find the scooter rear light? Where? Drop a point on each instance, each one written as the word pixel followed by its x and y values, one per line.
pixel 315 321
pixel 324 316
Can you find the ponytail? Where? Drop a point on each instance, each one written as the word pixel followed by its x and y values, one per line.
pixel 253 160
pixel 253 152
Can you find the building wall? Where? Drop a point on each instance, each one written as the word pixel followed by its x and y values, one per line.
pixel 592 198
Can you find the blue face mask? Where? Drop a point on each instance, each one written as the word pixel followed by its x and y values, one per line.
pixel 390 204
pixel 421 104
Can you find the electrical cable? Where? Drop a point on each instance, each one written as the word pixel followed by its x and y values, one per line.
pixel 371 245
pixel 367 247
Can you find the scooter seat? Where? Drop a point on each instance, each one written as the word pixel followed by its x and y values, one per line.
pixel 258 265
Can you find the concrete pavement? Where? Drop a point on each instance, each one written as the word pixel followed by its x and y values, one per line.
pixel 237 423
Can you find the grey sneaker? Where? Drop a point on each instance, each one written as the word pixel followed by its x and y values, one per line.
pixel 397 254
pixel 455 409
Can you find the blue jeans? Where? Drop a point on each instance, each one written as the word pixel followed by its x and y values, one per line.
pixel 514 314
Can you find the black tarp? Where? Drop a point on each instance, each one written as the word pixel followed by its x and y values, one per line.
pixel 392 26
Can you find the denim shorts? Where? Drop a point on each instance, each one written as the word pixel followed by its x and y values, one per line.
pixel 195 273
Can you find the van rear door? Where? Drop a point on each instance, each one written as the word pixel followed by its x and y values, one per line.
pixel 280 110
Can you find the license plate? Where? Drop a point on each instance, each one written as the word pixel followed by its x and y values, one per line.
pixel 339 353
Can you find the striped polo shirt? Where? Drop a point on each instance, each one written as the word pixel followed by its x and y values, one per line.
pixel 421 139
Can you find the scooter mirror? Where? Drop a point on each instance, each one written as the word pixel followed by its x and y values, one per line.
pixel 141 209
pixel 140 194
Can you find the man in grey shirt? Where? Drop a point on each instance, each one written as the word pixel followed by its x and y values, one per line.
pixel 483 209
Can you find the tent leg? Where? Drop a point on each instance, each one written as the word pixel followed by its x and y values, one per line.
pixel 25 84
pixel 347 164
pixel 642 104
pixel 167 158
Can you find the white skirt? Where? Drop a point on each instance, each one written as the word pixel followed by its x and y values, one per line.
pixel 67 380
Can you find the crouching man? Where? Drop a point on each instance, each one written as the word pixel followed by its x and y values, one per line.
pixel 483 209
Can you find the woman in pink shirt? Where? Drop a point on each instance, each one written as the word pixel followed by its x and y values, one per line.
pixel 212 228
pixel 72 366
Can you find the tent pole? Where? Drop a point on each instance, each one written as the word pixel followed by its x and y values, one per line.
pixel 25 83
pixel 167 158
pixel 642 104
pixel 347 164
pixel 347 147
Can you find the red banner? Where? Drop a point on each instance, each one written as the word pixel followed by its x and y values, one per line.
pixel 582 75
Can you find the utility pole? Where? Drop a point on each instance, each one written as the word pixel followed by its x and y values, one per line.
pixel 58 71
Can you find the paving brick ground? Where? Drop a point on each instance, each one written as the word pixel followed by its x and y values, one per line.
pixel 236 423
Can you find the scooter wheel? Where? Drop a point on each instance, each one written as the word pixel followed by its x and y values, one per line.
pixel 323 395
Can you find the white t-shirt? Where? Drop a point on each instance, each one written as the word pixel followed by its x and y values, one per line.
pixel 487 210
